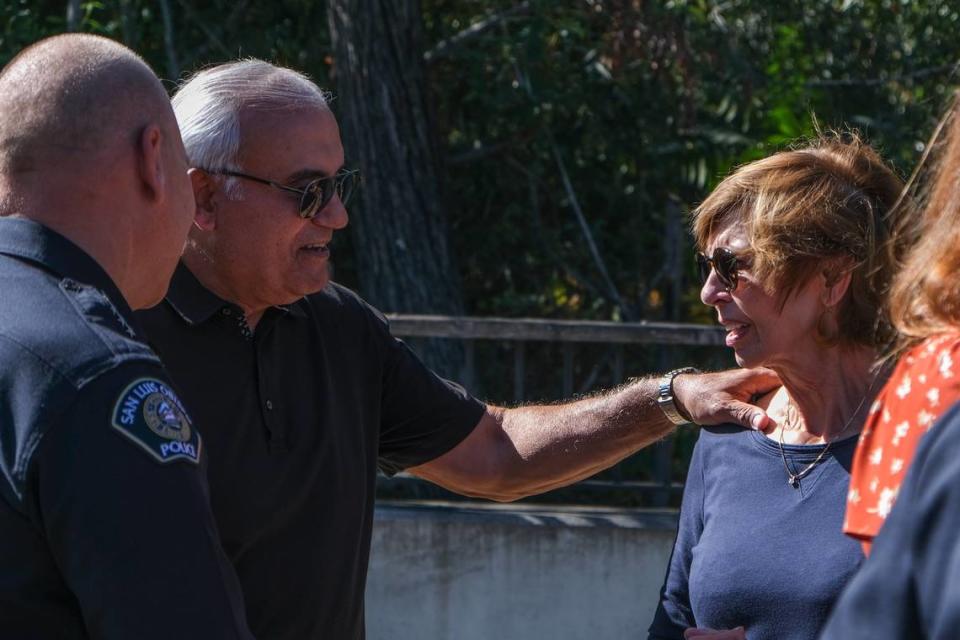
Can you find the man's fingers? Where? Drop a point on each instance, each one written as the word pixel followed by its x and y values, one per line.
pixel 748 415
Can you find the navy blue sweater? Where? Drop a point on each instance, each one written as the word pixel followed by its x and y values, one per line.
pixel 752 550
pixel 910 586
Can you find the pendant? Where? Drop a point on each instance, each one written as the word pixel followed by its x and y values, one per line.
pixel 794 482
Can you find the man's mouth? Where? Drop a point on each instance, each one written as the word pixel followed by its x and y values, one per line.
pixel 317 249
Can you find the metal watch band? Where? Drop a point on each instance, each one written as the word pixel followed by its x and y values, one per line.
pixel 665 395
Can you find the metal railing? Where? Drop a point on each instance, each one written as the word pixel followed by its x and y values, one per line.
pixel 570 335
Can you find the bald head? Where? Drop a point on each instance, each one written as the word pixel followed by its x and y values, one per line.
pixel 70 99
pixel 89 147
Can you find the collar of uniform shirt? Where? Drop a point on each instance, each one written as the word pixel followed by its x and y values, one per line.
pixel 33 241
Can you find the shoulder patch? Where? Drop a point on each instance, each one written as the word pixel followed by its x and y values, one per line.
pixel 150 414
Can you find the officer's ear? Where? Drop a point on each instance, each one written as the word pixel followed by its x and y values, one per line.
pixel 205 191
pixel 150 167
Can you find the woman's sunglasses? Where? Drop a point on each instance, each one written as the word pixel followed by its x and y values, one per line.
pixel 724 262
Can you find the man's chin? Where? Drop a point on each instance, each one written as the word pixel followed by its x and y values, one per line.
pixel 319 286
pixel 316 285
pixel 320 282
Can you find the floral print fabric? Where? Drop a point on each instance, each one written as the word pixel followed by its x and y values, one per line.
pixel 924 384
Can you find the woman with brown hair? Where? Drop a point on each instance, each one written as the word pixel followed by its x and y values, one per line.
pixel 909 587
pixel 798 254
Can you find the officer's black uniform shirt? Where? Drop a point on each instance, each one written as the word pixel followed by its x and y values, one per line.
pixel 105 524
pixel 297 416
pixel 909 587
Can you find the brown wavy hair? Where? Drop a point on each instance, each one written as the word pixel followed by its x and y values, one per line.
pixel 830 204
pixel 925 297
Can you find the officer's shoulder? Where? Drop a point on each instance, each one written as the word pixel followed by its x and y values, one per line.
pixel 73 328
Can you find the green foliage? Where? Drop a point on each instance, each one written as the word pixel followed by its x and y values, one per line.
pixel 646 102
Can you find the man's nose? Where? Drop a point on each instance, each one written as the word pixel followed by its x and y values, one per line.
pixel 333 215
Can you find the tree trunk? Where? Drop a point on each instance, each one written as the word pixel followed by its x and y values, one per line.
pixel 400 228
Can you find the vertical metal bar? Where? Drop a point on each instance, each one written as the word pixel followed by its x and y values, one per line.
pixel 618 364
pixel 519 370
pixel 469 366
pixel 567 349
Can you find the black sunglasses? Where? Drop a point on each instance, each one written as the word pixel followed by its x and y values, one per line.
pixel 316 194
pixel 724 262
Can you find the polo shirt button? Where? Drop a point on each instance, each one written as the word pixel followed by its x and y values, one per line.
pixel 269 405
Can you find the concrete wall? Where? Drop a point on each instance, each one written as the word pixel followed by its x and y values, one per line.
pixel 503 572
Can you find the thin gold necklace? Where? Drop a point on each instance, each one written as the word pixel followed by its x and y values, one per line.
pixel 793 479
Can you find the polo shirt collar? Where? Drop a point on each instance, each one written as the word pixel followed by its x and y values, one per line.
pixel 197 304
pixel 194 302
pixel 32 241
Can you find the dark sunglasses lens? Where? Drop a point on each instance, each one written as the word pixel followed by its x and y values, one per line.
pixel 346 184
pixel 309 201
pixel 725 263
pixel 703 267
pixel 320 192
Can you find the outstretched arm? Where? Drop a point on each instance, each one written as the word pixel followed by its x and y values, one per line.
pixel 513 453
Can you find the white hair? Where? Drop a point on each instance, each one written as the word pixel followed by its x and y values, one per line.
pixel 209 104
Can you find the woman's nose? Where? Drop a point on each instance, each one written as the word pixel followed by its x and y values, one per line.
pixel 714 292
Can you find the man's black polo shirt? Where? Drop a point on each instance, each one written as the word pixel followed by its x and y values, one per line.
pixel 105 523
pixel 297 417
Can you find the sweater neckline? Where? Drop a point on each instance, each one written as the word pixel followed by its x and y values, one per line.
pixel 801 451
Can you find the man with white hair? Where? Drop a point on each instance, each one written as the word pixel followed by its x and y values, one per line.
pixel 302 391
pixel 106 524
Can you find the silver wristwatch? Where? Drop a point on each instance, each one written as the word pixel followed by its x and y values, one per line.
pixel 665 395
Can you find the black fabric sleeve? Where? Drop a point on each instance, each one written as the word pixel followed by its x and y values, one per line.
pixel 134 537
pixel 423 416
pixel 674 613
pixel 908 586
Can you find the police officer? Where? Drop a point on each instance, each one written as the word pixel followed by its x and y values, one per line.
pixel 104 511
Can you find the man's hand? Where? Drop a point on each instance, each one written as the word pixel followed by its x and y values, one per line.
pixel 715 398
pixel 713 634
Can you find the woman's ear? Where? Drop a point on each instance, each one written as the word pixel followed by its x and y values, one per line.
pixel 836 280
pixel 205 191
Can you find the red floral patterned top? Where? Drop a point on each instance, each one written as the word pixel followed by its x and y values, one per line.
pixel 923 385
